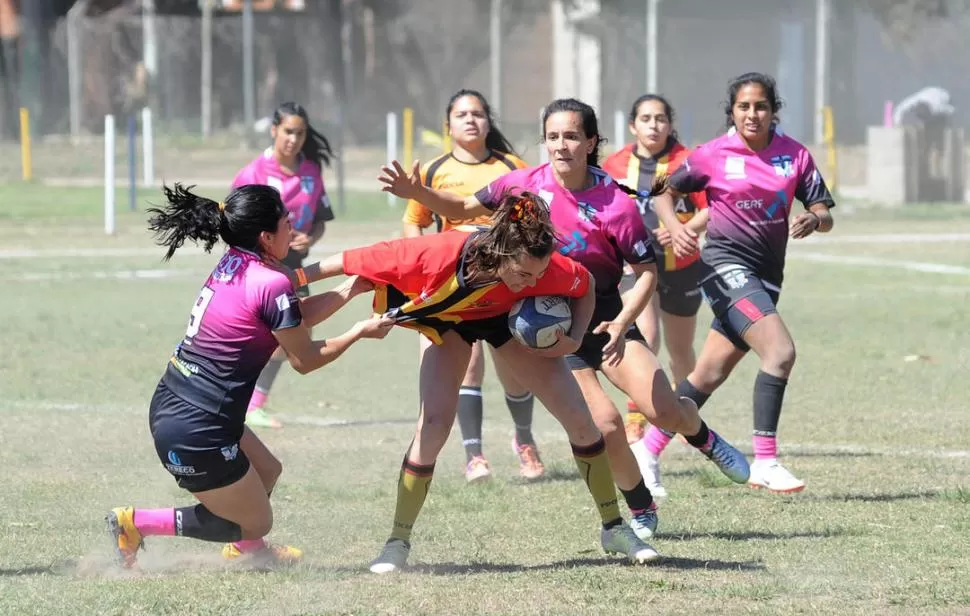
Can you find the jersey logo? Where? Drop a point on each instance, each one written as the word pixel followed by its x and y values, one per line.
pixel 307 184
pixel 283 302
pixel 230 453
pixel 586 212
pixel 274 182
pixel 576 244
pixel 781 200
pixel 546 196
pixel 640 248
pixel 784 166
pixel 734 168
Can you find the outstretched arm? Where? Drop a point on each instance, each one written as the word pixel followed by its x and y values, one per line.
pixel 320 307
pixel 409 186
pixel 306 355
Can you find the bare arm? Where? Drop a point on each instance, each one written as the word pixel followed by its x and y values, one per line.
pixel 636 299
pixel 328 268
pixel 698 224
pixel 409 186
pixel 682 237
pixel 318 308
pixel 412 230
pixel 306 355
pixel 582 311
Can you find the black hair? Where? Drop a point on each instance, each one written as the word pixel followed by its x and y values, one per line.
pixel 591 129
pixel 668 111
pixel 761 79
pixel 315 147
pixel 494 140
pixel 247 211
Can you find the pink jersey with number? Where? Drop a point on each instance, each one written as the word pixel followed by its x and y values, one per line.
pixel 600 227
pixel 229 337
pixel 749 195
pixel 303 193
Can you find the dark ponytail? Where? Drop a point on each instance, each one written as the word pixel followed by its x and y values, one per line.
pixel 239 220
pixel 494 140
pixel 315 147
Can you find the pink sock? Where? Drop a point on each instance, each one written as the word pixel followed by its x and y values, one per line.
pixel 155 521
pixel 765 447
pixel 656 440
pixel 258 399
pixel 247 546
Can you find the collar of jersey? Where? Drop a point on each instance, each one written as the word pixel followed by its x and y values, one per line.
pixel 460 273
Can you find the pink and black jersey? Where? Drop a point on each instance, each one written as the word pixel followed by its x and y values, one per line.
pixel 303 193
pixel 750 196
pixel 599 227
pixel 230 338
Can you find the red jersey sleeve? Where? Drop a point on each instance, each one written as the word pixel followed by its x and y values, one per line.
pixel 564 276
pixel 382 263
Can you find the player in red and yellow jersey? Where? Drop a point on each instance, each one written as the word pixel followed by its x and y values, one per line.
pixel 481 154
pixel 656 153
pixel 457 288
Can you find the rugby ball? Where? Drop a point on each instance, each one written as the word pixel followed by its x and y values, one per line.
pixel 535 321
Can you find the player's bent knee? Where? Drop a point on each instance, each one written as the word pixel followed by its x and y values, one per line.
pixel 780 360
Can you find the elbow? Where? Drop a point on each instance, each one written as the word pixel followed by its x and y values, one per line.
pixel 299 365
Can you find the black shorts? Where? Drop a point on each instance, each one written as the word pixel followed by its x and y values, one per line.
pixel 590 352
pixel 738 299
pixel 679 290
pixel 294 260
pixel 199 449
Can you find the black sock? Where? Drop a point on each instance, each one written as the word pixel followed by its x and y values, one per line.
pixel 699 440
pixel 612 523
pixel 470 420
pixel 200 523
pixel 639 498
pixel 769 393
pixel 686 389
pixel 520 407
pixel 266 378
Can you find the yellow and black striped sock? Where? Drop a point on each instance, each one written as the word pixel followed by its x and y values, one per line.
pixel 594 468
pixel 412 489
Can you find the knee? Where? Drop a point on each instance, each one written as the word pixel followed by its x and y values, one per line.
pixel 709 378
pixel 780 359
pixel 611 426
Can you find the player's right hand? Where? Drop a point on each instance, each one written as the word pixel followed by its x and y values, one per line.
pixel 398 182
pixel 564 346
pixel 684 241
pixel 375 327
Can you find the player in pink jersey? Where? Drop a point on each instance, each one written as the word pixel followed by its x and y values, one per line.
pixel 246 308
pixel 600 227
pixel 293 166
pixel 751 176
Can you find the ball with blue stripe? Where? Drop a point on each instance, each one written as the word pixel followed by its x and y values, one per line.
pixel 536 321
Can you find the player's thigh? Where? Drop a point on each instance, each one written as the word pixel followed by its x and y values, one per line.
pixel 475 373
pixel 244 502
pixel 601 407
pixel 640 376
pixel 443 368
pixel 506 376
pixel 267 465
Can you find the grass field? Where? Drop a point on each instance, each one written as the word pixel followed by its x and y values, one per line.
pixel 876 422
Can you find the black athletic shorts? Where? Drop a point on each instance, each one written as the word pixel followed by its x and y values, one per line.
pixel 738 299
pixel 590 352
pixel 679 290
pixel 493 330
pixel 199 449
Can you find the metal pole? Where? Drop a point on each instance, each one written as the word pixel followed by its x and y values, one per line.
pixel 249 71
pixel 132 160
pixel 147 147
pixel 392 149
pixel 619 130
pixel 109 174
pixel 74 69
pixel 149 46
pixel 32 66
pixel 495 47
pixel 821 65
pixel 652 44
pixel 206 68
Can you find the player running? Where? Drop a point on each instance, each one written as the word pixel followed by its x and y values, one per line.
pixel 457 288
pixel 293 166
pixel 751 176
pixel 246 308
pixel 657 153
pixel 480 154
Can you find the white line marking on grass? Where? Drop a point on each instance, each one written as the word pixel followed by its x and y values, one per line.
pixel 63 253
pixel 888 238
pixel 913 266
pixel 144 274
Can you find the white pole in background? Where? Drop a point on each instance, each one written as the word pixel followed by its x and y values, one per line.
pixel 495 49
pixel 148 148
pixel 652 45
pixel 206 68
pixel 821 64
pixel 619 130
pixel 543 152
pixel 392 149
pixel 109 174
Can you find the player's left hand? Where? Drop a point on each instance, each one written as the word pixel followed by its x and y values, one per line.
pixel 663 236
pixel 300 242
pixel 356 285
pixel 615 347
pixel 804 225
pixel 400 183
pixel 564 346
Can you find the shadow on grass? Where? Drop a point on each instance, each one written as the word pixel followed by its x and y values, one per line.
pixel 883 498
pixel 754 535
pixel 692 564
